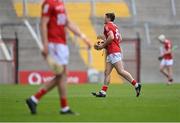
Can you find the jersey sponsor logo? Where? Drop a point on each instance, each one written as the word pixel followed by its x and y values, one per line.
pixel 59 8
pixel 39 77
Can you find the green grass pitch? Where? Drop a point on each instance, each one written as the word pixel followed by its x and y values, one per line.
pixel 158 102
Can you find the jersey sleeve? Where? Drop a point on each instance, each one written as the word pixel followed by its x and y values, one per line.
pixel 46 9
pixel 108 28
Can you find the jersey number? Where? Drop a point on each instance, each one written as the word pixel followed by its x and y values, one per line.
pixel 118 35
pixel 61 19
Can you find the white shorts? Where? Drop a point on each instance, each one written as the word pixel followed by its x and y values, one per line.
pixel 114 57
pixel 59 52
pixel 165 62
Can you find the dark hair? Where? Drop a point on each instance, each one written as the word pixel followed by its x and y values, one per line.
pixel 111 16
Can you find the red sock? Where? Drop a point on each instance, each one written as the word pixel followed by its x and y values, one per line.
pixel 40 93
pixel 104 88
pixel 133 82
pixel 63 102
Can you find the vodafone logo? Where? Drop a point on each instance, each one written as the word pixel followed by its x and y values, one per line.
pixel 40 77
pixel 73 79
pixel 34 78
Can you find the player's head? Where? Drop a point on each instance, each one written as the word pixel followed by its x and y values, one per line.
pixel 161 38
pixel 109 17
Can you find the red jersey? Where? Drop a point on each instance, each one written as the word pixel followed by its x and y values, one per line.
pixel 114 46
pixel 167 45
pixel 54 9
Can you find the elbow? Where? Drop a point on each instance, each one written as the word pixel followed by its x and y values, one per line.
pixel 68 23
pixel 111 38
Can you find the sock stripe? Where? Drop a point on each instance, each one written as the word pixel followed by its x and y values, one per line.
pixel 133 82
pixel 40 93
pixel 63 102
pixel 104 88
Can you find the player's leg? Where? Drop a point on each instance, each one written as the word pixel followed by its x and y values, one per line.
pixel 34 99
pixel 163 68
pixel 107 72
pixel 120 69
pixel 170 71
pixel 62 57
pixel 65 109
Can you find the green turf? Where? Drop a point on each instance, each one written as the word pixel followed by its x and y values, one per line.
pixel 158 102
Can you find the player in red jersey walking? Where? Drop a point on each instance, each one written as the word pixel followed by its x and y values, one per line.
pixel 111 43
pixel 166 58
pixel 54 22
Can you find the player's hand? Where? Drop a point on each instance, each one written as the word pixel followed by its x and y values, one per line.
pixel 86 40
pixel 100 37
pixel 160 58
pixel 45 51
pixel 96 47
pixel 88 43
pixel 99 45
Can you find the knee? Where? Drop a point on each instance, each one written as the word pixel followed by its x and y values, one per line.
pixel 161 69
pixel 121 71
pixel 62 75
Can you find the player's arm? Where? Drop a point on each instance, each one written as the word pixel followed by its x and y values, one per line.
pixel 164 52
pixel 168 51
pixel 73 28
pixel 109 39
pixel 45 16
pixel 106 42
pixel 44 33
